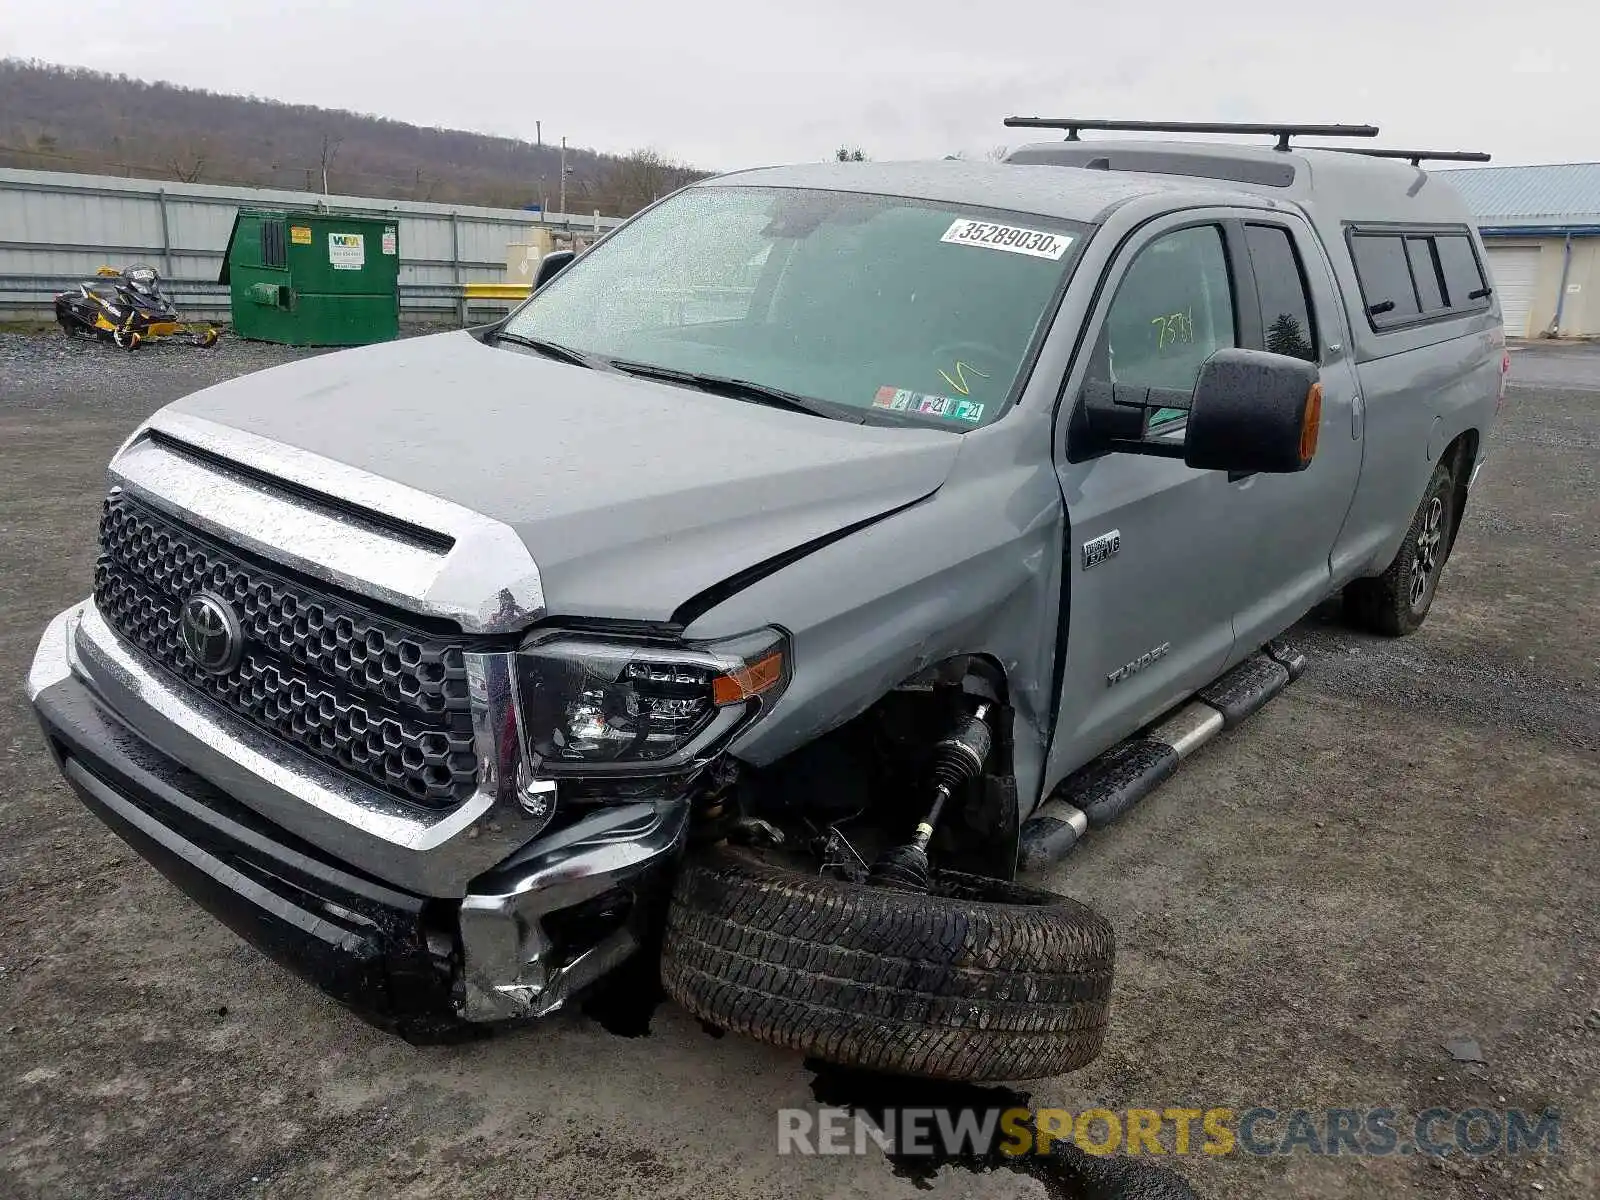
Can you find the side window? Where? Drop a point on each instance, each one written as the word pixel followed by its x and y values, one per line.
pixel 1172 311
pixel 1425 271
pixel 1286 315
pixel 1408 276
pixel 1464 286
pixel 1385 277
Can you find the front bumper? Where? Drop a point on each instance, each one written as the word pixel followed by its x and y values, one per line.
pixel 530 932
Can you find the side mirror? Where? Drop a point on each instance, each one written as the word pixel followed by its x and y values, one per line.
pixel 1254 411
pixel 551 265
pixel 1250 411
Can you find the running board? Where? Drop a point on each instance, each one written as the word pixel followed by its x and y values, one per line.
pixel 1102 790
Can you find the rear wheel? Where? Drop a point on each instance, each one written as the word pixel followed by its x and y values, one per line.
pixel 1396 603
pixel 982 979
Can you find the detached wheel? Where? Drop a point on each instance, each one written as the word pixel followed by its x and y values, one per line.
pixel 981 980
pixel 1397 602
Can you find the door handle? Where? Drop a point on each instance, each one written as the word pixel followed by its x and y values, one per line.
pixel 1357 415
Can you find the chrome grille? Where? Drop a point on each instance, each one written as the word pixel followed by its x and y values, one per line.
pixel 385 701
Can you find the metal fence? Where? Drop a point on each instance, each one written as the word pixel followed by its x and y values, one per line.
pixel 58 229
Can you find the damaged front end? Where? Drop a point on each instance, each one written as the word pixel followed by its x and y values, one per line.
pixel 391 787
pixel 526 936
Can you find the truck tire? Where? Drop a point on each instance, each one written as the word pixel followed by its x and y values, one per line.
pixel 983 979
pixel 1396 603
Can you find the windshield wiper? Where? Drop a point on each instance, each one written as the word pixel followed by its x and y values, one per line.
pixel 740 389
pixel 554 350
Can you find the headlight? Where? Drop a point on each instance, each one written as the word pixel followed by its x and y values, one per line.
pixel 597 704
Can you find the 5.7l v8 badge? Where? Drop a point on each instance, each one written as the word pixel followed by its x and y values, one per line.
pixel 1097 550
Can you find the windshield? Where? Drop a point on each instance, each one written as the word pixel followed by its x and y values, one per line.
pixel 899 308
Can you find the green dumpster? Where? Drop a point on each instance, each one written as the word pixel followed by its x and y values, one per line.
pixel 313 278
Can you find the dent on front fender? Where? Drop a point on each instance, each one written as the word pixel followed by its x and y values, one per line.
pixel 973 570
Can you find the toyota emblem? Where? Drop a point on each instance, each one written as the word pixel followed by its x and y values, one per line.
pixel 211 633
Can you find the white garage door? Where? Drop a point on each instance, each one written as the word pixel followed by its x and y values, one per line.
pixel 1514 268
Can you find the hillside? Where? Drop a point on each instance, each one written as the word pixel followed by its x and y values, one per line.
pixel 73 119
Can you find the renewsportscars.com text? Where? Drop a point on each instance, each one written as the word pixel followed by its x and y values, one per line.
pixel 1370 1132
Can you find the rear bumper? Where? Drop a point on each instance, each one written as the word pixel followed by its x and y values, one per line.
pixel 555 916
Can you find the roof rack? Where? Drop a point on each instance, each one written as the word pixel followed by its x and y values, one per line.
pixel 1074 125
pixel 1416 157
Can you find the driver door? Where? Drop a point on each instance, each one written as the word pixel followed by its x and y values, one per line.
pixel 1153 556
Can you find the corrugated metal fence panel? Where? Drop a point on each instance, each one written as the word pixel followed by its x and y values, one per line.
pixel 57 228
pixel 195 226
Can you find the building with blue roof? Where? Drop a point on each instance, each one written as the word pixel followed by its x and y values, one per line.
pixel 1541 226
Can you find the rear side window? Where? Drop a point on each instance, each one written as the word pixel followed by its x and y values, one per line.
pixel 1425 273
pixel 1464 285
pixel 1410 276
pixel 1286 320
pixel 1385 277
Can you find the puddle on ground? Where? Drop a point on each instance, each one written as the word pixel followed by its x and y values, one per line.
pixel 1067 1173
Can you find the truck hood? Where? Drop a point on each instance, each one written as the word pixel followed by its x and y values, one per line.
pixel 630 496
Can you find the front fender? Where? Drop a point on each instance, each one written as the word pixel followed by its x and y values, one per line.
pixel 973 569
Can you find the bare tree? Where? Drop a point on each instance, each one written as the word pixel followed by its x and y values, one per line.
pixel 850 154
pixel 997 153
pixel 640 179
pixel 188 161
pixel 330 147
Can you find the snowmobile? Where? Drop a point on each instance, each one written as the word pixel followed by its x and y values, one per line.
pixel 127 308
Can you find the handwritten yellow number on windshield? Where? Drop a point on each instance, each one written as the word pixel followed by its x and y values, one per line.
pixel 959 383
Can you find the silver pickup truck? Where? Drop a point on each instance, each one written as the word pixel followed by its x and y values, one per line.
pixel 819 550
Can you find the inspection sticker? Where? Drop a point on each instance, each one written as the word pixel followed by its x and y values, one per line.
pixel 905 400
pixel 347 251
pixel 1011 238
pixel 300 235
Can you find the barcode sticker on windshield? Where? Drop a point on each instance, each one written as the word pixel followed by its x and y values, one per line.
pixel 1011 238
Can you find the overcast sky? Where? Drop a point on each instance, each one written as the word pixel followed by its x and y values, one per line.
pixel 730 83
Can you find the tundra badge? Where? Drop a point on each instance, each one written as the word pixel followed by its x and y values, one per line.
pixel 1097 550
pixel 1138 664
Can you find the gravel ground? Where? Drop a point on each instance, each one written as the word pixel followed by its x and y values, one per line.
pixel 1398 852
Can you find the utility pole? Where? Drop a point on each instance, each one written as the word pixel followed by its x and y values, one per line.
pixel 538 134
pixel 563 176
